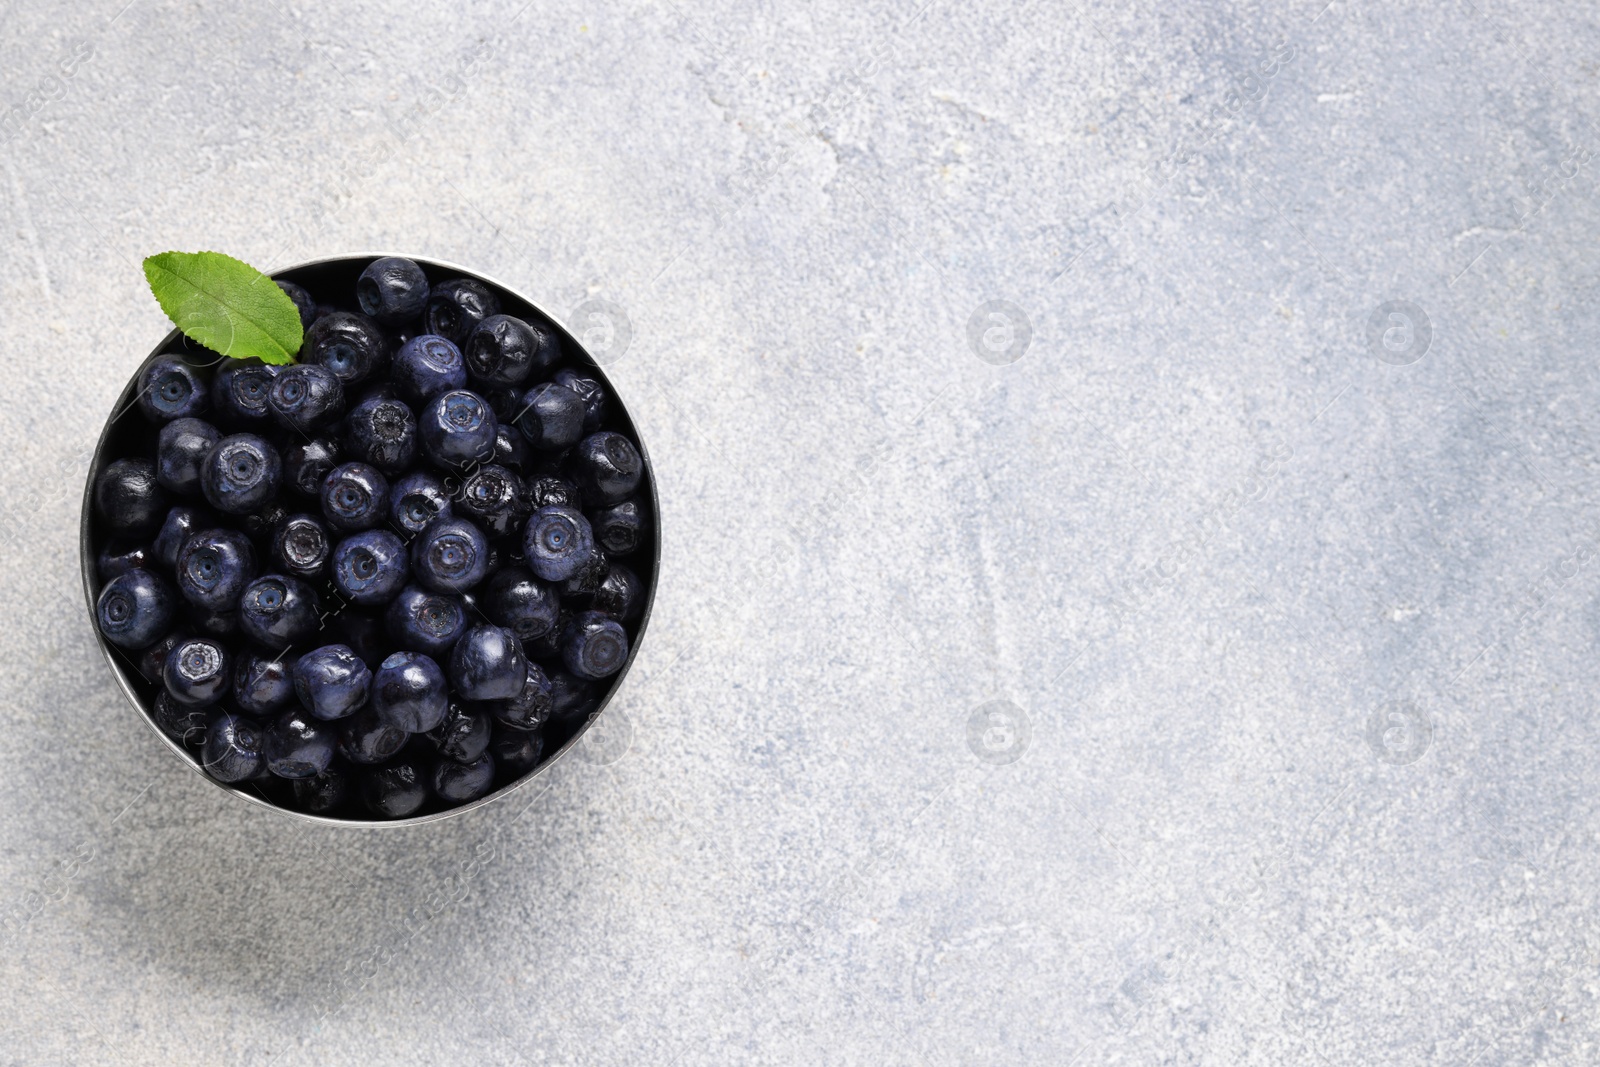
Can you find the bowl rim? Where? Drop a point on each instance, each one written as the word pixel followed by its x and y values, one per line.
pixel 91 577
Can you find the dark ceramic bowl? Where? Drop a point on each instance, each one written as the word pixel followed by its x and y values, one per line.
pixel 127 432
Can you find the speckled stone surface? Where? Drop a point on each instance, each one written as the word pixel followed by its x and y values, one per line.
pixel 1130 586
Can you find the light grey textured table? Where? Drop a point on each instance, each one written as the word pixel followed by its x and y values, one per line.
pixel 1131 577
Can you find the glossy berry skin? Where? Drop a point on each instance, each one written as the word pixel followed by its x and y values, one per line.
pixel 493 497
pixel 620 595
pixel 366 739
pixel 426 366
pixel 233 749
pixel 120 557
pixel 240 391
pixel 606 467
pixel 409 692
pixel 355 496
pixel 171 389
pixel 455 308
pixel 180 450
pixel 241 474
pixel 262 684
pixel 324 792
pixel 135 609
pixel 464 734
pixel 184 723
pixel 332 682
pixel 383 432
pixel 457 783
pixel 198 671
pixel 303 303
pixel 530 708
pixel 505 350
pixel 181 523
pixel 350 346
pixel 307 464
pixel 392 290
pixel 558 543
pixel 129 499
pixel 487 664
pixel 450 556
pixel 549 491
pixel 416 499
pixel 278 611
pixel 515 599
pixel 515 752
pixel 619 528
pixel 394 791
pixel 510 450
pixel 262 524
pixel 214 566
pixel 571 697
pixel 551 417
pixel 306 398
pixel 370 568
pixel 431 623
pixel 590 391
pixel 580 586
pixel 301 546
pixel 297 745
pixel 152 659
pixel 595 646
pixel 457 429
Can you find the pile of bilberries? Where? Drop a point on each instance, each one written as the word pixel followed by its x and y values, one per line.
pixel 376 578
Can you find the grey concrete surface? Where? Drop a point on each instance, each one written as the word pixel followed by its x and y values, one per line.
pixel 1130 586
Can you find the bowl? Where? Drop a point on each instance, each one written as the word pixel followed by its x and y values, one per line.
pixel 127 432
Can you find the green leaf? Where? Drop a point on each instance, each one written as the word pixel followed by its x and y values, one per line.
pixel 228 306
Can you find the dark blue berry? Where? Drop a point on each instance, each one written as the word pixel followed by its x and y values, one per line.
pixel 551 417
pixel 181 523
pixel 606 467
pixel 363 631
pixel 212 623
pixel 382 432
pixel 493 497
pixel 263 525
pixel 350 346
pixel 303 303
pixel 416 499
pixel 591 392
pixel 306 398
pixel 355 496
pixel 409 692
pixel 214 566
pixel 366 739
pixel 332 682
pixel 515 752
pixel 135 609
pixel 181 448
pixel 129 499
pixel 370 568
pixel 184 723
pixel 464 733
pixel 571 697
pixel 457 783
pixel 420 621
pixel 307 464
pixel 240 392
pixel 450 556
pixel 455 308
pixel 198 671
pixel 394 791
pixel 262 684
pixel 426 366
pixel 547 646
pixel 558 543
pixel 510 450
pixel 620 595
pixel 619 528
pixel 297 745
pixel 301 546
pixel 171 389
pixel 232 751
pixel 120 557
pixel 582 583
pixel 240 474
pixel 505 350
pixel 553 492
pixel 151 660
pixel 324 792
pixel 392 290
pixel 595 646
pixel 487 664
pixel 515 599
pixel 278 611
pixel 530 707
pixel 457 429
